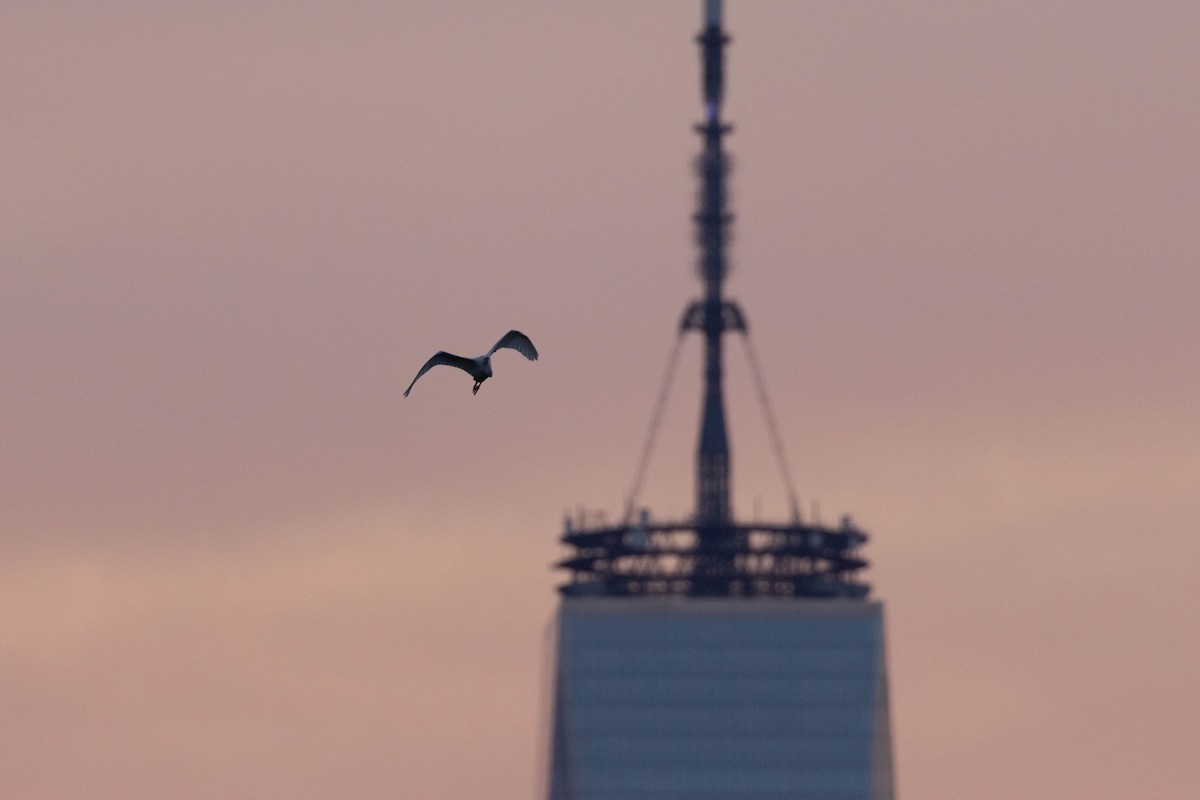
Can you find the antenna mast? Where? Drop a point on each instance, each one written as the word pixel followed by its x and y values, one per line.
pixel 712 554
pixel 713 315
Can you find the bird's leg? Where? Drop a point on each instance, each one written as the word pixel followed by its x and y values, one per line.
pixel 475 388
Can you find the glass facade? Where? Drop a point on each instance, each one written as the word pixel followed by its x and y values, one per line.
pixel 716 699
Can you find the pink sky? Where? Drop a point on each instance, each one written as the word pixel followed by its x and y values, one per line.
pixel 234 563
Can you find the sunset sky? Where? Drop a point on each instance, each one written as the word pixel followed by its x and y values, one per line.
pixel 235 563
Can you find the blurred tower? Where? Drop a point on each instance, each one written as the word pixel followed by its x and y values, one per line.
pixel 707 658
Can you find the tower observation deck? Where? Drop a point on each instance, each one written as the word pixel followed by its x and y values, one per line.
pixel 712 554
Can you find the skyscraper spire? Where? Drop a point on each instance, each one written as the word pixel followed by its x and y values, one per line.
pixel 713 315
pixel 711 554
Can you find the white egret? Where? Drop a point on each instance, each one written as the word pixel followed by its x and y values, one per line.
pixel 479 368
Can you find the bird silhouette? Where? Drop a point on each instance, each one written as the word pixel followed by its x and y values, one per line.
pixel 479 368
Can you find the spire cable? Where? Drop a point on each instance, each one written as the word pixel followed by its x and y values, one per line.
pixel 764 402
pixel 655 420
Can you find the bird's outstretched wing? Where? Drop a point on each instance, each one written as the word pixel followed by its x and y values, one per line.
pixel 441 357
pixel 517 341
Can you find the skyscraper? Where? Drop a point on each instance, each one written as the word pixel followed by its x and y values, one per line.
pixel 708 658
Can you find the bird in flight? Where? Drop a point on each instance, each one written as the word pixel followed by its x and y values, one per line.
pixel 479 368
